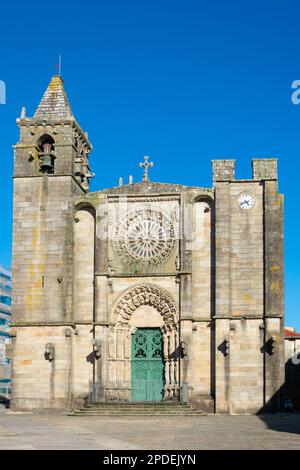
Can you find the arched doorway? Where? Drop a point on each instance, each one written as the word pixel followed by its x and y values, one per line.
pixel 149 314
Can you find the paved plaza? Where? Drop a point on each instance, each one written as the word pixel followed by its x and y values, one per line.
pixel 59 431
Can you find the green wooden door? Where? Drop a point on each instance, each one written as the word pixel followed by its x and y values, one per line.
pixel 147 367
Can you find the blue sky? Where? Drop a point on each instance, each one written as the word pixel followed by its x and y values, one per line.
pixel 181 81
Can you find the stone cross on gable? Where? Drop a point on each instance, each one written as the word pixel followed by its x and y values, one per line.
pixel 146 165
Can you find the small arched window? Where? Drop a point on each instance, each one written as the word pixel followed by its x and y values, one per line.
pixel 46 153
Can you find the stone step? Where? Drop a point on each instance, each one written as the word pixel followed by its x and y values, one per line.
pixel 137 403
pixel 141 414
pixel 128 407
pixel 141 410
pixel 125 410
pixel 132 409
pixel 138 409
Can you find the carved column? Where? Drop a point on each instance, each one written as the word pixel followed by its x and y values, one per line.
pixel 171 362
pixel 167 364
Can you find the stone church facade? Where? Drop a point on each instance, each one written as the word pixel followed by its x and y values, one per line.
pixel 146 291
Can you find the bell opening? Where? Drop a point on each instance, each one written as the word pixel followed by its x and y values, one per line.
pixel 46 153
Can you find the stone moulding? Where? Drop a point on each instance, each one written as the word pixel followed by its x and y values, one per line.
pixel 146 294
pixel 114 198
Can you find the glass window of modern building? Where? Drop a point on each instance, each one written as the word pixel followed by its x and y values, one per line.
pixel 5 318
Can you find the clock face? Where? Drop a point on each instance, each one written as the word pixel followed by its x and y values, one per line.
pixel 246 201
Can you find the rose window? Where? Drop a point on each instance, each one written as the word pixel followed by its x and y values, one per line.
pixel 145 235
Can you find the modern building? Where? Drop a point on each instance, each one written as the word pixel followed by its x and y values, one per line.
pixel 292 342
pixel 5 319
pixel 292 365
pixel 146 291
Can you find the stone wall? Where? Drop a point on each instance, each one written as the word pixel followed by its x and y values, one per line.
pixel 59 383
pixel 42 269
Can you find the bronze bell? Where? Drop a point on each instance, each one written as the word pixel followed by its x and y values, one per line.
pixel 47 159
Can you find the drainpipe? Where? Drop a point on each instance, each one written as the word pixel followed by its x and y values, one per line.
pixel 94 313
pixel 264 303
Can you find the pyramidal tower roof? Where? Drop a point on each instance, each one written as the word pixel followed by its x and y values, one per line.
pixel 54 104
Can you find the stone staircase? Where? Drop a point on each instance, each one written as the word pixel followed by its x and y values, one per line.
pixel 119 410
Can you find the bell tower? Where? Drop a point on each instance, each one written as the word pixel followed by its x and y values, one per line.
pixel 51 167
pixel 52 142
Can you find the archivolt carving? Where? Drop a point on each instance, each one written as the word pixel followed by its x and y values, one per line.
pixel 147 294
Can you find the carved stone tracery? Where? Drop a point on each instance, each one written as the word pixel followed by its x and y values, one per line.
pixel 144 234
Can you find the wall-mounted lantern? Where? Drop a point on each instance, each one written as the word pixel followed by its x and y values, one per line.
pixel 96 347
pixel 49 352
pixel 183 349
pixel 224 347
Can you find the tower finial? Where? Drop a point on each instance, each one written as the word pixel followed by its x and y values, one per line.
pixel 146 165
pixel 59 65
